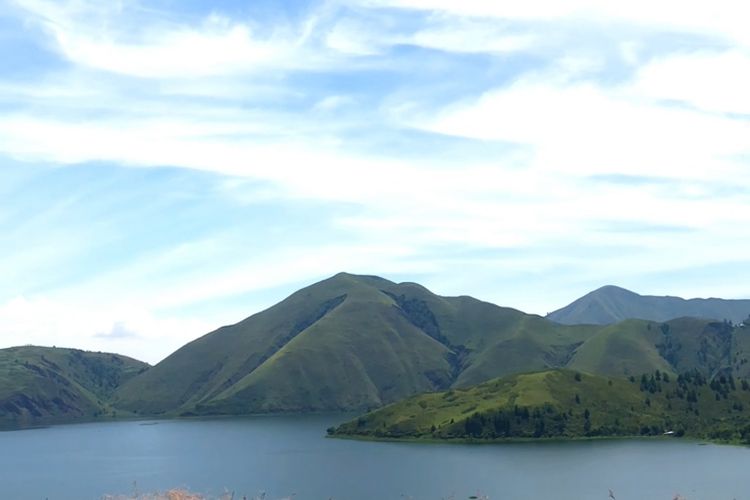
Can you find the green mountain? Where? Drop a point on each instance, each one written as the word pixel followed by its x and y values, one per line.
pixel 633 347
pixel 611 304
pixel 359 342
pixel 45 384
pixel 355 343
pixel 349 342
pixel 568 404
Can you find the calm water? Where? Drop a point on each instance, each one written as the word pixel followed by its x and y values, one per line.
pixel 285 455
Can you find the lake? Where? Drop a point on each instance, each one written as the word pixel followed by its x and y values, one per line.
pixel 290 455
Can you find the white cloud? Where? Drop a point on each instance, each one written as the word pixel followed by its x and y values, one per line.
pixel 472 35
pixel 333 102
pixel 710 81
pixel 721 18
pixel 45 321
pixel 585 129
pixel 119 330
pixel 404 212
pixel 354 37
pixel 88 34
pixel 298 166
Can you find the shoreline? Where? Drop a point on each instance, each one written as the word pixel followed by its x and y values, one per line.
pixel 521 440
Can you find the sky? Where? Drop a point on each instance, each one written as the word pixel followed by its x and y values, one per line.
pixel 171 166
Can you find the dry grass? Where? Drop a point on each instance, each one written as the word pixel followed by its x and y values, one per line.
pixel 167 495
pixel 179 494
pixel 182 494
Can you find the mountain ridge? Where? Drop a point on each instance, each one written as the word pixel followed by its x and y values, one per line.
pixel 610 304
pixel 394 339
pixel 41 385
pixel 354 342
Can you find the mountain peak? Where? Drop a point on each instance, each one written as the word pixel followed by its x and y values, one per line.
pixel 612 290
pixel 611 304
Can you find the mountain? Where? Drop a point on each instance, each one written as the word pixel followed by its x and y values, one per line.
pixel 633 347
pixel 45 384
pixel 355 343
pixel 568 404
pixel 611 304
pixel 349 342
pixel 359 342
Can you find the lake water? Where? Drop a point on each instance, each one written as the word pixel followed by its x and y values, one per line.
pixel 290 455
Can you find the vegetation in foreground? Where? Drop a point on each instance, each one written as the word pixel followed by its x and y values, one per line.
pixel 179 494
pixel 182 494
pixel 175 494
pixel 568 404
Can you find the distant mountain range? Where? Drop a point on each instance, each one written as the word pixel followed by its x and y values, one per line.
pixel 611 304
pixel 355 342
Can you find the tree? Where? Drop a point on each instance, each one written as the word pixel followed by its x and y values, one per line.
pixel 539 428
pixel 473 425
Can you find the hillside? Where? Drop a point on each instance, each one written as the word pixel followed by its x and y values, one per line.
pixel 349 342
pixel 568 404
pixel 45 384
pixel 611 304
pixel 359 342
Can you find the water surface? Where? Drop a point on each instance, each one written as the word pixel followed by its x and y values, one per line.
pixel 290 455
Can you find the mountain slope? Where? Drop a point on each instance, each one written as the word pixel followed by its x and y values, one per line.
pixel 45 384
pixel 564 403
pixel 611 304
pixel 358 342
pixel 348 342
pixel 362 354
pixel 632 347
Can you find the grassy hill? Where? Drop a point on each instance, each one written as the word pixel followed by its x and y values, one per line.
pixel 568 404
pixel 356 343
pixel 348 342
pixel 359 342
pixel 45 384
pixel 611 304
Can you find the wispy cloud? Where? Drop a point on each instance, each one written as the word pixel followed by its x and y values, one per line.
pixel 173 167
pixel 90 34
pixel 589 129
pixel 711 81
pixel 722 19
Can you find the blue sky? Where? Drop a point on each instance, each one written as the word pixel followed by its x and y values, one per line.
pixel 168 167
